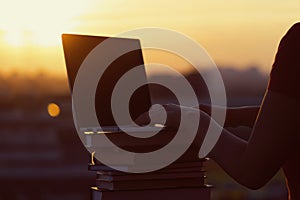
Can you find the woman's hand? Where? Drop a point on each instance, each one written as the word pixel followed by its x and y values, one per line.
pixel 168 115
pixel 171 116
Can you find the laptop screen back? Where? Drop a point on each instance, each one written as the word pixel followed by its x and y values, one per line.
pixel 77 47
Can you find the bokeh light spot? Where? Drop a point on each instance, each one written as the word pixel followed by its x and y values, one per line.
pixel 53 110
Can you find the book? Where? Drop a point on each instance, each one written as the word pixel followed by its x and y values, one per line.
pixel 191 155
pixel 101 167
pixel 150 184
pixel 198 193
pixel 149 176
pixel 169 170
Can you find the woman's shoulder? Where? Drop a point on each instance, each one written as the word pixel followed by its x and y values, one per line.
pixel 285 73
pixel 296 27
pixel 293 34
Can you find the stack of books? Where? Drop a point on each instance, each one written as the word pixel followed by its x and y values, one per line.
pixel 185 178
pixel 175 181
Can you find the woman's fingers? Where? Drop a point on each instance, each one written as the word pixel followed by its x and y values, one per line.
pixel 143 119
pixel 157 114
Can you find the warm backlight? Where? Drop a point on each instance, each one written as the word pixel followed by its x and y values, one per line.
pixel 38 21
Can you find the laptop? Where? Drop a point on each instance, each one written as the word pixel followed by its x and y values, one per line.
pixel 76 48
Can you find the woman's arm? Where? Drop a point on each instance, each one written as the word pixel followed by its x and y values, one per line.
pixel 254 162
pixel 242 132
pixel 273 140
pixel 235 116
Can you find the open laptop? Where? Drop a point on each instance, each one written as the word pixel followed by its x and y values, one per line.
pixel 76 48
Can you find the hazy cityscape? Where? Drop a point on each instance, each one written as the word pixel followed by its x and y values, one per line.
pixel 43 158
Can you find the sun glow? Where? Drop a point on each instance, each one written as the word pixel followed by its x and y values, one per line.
pixel 230 30
pixel 38 22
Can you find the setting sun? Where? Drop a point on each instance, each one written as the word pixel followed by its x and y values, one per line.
pixel 38 22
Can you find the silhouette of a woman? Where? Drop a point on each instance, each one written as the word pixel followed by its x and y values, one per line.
pixel 275 138
pixel 274 142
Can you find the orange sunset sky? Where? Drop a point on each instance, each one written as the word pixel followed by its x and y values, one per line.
pixel 234 32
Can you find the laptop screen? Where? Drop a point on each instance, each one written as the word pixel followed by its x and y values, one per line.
pixel 77 47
